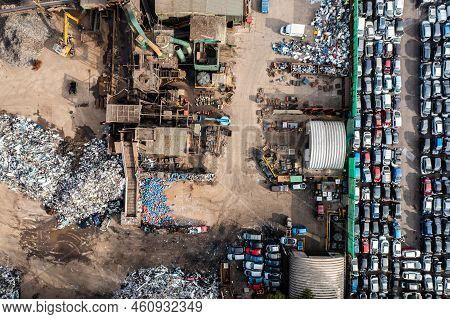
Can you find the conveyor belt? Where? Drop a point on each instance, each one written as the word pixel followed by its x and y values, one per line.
pixel 5 9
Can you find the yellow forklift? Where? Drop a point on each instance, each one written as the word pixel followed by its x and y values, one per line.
pixel 64 47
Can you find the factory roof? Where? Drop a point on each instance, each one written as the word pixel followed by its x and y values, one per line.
pixel 183 8
pixel 164 141
pixel 120 113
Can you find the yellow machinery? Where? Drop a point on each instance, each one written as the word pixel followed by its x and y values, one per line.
pixel 64 47
pixel 270 166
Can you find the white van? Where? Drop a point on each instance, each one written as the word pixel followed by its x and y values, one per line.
pixel 361 26
pixel 398 8
pixel 293 30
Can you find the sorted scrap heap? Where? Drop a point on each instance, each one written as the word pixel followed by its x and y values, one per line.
pixel 160 282
pixel 32 162
pixel 331 37
pixel 9 283
pixel 22 37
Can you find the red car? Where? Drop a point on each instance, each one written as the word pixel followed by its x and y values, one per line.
pixel 366 158
pixel 387 118
pixel 376 172
pixel 365 245
pixel 255 287
pixel 427 186
pixel 378 123
pixel 387 66
pixel 253 251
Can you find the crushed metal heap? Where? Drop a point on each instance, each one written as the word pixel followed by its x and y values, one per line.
pixel 22 37
pixel 160 282
pixel 331 41
pixel 9 283
pixel 32 161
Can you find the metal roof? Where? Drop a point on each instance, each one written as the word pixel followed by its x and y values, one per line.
pixel 323 275
pixel 181 8
pixel 120 113
pixel 327 145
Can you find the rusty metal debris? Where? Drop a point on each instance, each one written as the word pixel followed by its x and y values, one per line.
pixel 9 283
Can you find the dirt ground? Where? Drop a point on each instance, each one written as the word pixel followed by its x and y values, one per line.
pixel 89 263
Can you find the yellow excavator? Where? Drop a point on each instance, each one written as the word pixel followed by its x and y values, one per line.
pixel 64 46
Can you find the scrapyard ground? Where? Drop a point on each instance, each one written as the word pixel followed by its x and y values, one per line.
pixel 74 263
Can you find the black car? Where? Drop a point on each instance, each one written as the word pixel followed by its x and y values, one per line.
pixel 437 185
pixel 386 192
pixel 397 50
pixel 396 100
pixel 368 121
pixel 367 67
pixel 447 126
pixel 399 27
pixel 397 193
pixel 426 52
pixel 437 107
pixel 426 246
pixel 367 103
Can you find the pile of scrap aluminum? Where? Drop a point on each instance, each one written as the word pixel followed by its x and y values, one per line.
pixel 331 37
pixel 9 283
pixel 33 161
pixel 160 282
pixel 155 210
pixel 22 37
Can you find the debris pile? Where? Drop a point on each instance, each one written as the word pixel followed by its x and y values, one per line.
pixel 331 37
pixel 22 37
pixel 9 283
pixel 162 283
pixel 33 162
pixel 97 181
pixel 29 157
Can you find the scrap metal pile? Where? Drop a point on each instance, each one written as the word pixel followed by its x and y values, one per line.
pixel 160 282
pixel 9 283
pixel 22 38
pixel 155 211
pixel 331 37
pixel 32 162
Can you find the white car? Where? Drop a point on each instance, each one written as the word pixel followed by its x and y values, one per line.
pixel 428 282
pixel 357 140
pixel 441 13
pixel 374 246
pixel 365 194
pixel 412 275
pixel 253 266
pixel 396 119
pixel 273 256
pixel 426 263
pixel 447 286
pixel 273 248
pixel 437 127
pixel 438 285
pixel 396 248
pixel 384 246
pixel 367 139
pixel 232 257
pixel 252 273
pixel 432 14
pixel 411 265
pixel 411 253
pixel 374 284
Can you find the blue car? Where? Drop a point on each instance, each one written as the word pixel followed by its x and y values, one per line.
pixel 396 175
pixel 378 48
pixel 255 280
pixel 255 259
pixel 272 263
pixel 354 284
pixel 427 227
pixel 264 6
pixel 299 230
pixel 356 245
pixel 357 157
pixel 358 174
pixel 396 232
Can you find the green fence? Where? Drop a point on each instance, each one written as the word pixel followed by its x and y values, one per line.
pixel 350 133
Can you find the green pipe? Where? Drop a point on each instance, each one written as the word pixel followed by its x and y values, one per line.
pixel 183 43
pixel 180 54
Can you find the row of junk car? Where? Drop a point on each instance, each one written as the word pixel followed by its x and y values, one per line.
pixel 432 279
pixel 261 262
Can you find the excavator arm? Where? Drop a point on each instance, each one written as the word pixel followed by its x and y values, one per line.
pixel 68 16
